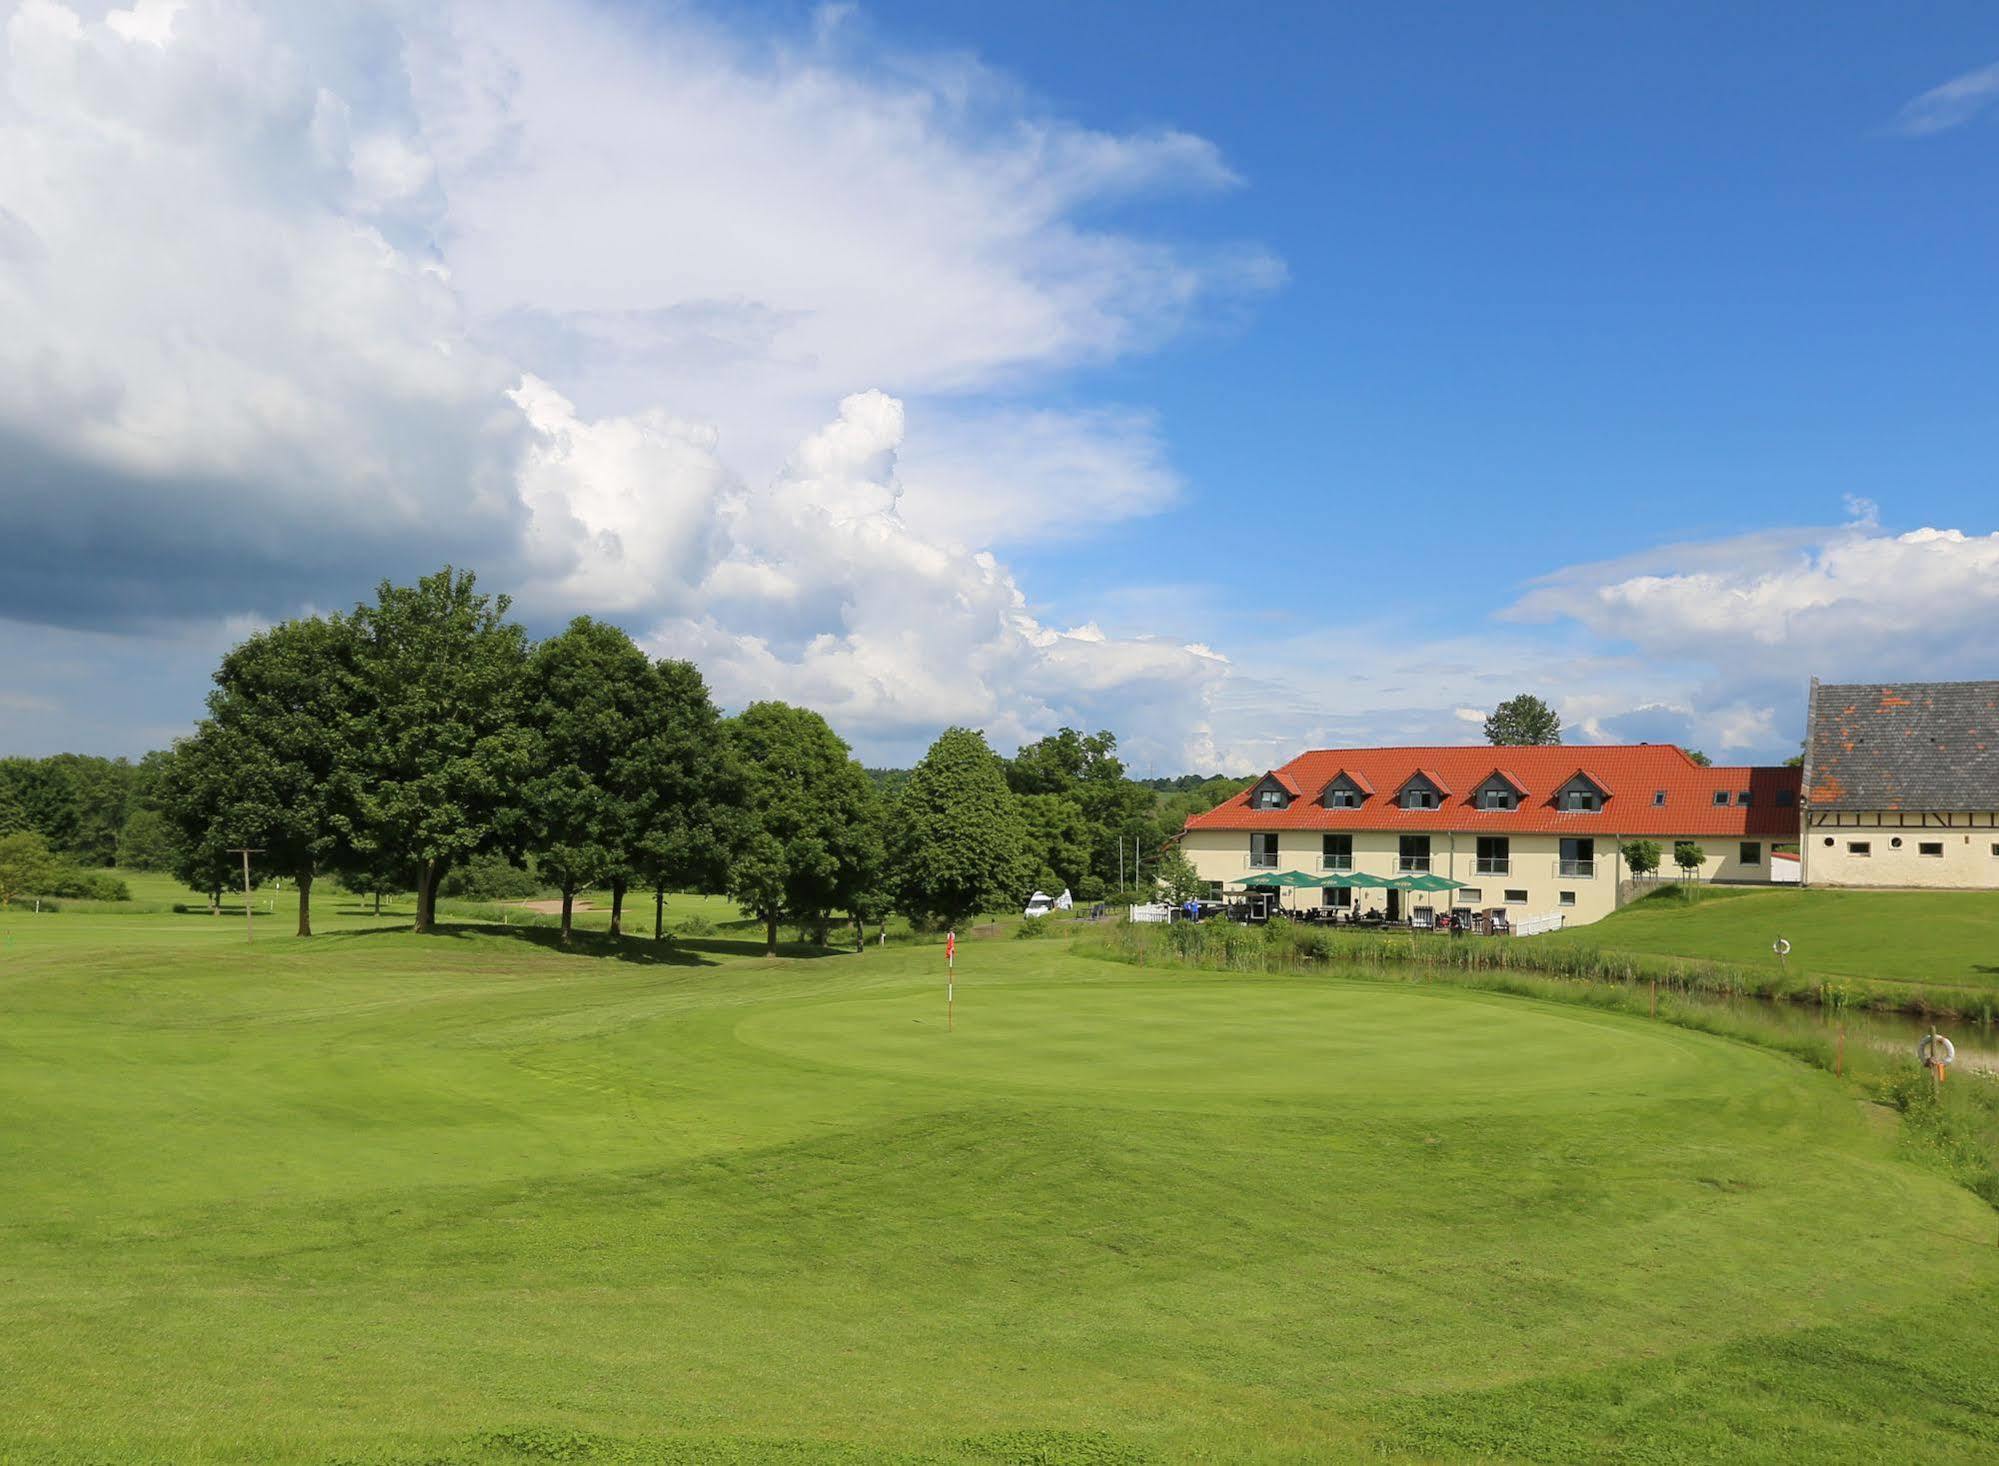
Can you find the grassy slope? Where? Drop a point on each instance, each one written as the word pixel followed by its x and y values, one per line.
pixel 1943 937
pixel 453 1199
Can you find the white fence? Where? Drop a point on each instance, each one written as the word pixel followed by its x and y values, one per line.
pixel 1157 911
pixel 1527 926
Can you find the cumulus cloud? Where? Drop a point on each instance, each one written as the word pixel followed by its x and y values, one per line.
pixel 1952 104
pixel 294 297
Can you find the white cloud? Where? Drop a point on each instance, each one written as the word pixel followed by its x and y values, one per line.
pixel 1952 104
pixel 293 297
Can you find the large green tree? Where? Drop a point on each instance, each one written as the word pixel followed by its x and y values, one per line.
pixel 1085 769
pixel 589 694
pixel 805 803
pixel 689 804
pixel 1059 839
pixel 203 800
pixel 961 843
pixel 1523 721
pixel 291 700
pixel 446 752
pixel 27 865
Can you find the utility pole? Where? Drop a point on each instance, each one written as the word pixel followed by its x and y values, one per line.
pixel 249 930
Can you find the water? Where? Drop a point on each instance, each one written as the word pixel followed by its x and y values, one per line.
pixel 1896 1033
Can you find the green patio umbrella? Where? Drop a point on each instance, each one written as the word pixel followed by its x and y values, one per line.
pixel 1429 883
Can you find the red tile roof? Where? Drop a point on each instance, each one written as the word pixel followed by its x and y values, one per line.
pixel 1630 776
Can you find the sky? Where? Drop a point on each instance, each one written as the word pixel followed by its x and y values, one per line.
pixel 1316 375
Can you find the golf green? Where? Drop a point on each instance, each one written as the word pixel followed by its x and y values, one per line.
pixel 469 1199
pixel 1192 1039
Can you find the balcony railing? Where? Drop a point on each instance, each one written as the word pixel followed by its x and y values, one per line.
pixel 1494 865
pixel 1578 869
pixel 1412 864
pixel 1263 862
pixel 1335 862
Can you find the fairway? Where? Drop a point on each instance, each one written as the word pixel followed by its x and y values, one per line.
pixel 466 1198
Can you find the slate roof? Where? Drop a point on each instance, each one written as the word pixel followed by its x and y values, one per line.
pixel 1903 745
pixel 1631 775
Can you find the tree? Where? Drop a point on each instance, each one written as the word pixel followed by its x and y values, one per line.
pixel 1182 883
pixel 1688 856
pixel 291 701
pixel 1641 857
pixel 587 693
pixel 201 799
pixel 687 820
pixel 804 805
pixel 1523 721
pixel 1059 841
pixel 445 751
pixel 27 866
pixel 1085 769
pixel 146 842
pixel 1700 758
pixel 962 846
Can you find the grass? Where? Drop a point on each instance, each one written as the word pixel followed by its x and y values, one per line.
pixel 1936 938
pixel 471 1199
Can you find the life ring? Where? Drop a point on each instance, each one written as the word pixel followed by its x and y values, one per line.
pixel 1937 1051
pixel 1781 947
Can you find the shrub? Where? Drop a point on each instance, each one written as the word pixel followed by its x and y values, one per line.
pixel 490 878
pixel 1031 927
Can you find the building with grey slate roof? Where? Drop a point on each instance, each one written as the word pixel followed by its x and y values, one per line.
pixel 1901 784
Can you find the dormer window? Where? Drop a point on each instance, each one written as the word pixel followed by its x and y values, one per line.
pixel 1499 791
pixel 1742 799
pixel 1721 799
pixel 1581 794
pixel 1345 791
pixel 1658 798
pixel 1423 791
pixel 1786 798
pixel 1272 791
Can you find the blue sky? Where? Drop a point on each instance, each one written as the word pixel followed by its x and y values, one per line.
pixel 1240 383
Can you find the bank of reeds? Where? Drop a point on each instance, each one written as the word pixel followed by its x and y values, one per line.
pixel 1955 1126
pixel 1239 948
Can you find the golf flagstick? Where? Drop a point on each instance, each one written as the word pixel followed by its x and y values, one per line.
pixel 950 980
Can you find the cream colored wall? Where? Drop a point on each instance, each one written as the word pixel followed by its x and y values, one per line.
pixel 1967 861
pixel 1534 867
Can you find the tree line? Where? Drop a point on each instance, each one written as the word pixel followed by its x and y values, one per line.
pixel 424 733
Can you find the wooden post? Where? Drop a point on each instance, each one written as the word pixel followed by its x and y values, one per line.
pixel 249 932
pixel 1839 1052
pixel 1655 997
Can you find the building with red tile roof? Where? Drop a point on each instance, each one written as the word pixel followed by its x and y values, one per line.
pixel 1536 830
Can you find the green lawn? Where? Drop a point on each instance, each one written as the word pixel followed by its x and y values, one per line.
pixel 1937 937
pixel 466 1198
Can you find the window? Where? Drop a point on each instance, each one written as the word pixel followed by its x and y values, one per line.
pixel 1336 852
pixel 1263 852
pixel 1415 798
pixel 1720 798
pixel 1211 890
pixel 1658 798
pixel 1579 799
pixel 1494 852
pixel 1270 798
pixel 1931 848
pixel 1473 895
pixel 1342 799
pixel 1751 852
pixel 1516 898
pixel 1567 898
pixel 1786 798
pixel 1578 858
pixel 1859 847
pixel 1496 799
pixel 1415 854
pixel 1995 849
pixel 1896 843
pixel 1338 896
pixel 1742 799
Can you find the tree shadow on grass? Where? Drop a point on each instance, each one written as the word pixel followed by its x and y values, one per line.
pixel 643 951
